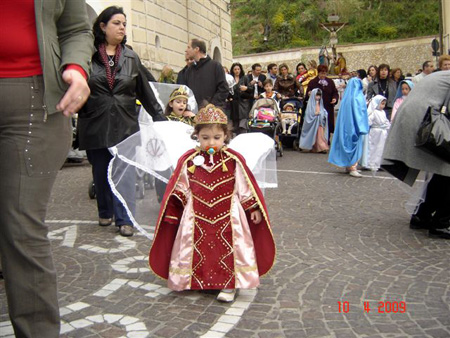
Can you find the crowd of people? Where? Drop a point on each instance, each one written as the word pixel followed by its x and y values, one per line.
pixel 91 70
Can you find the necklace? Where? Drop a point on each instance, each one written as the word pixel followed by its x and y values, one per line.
pixel 111 60
pixel 383 86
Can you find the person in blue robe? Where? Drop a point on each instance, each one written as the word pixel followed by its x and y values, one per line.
pixel 352 123
pixel 314 136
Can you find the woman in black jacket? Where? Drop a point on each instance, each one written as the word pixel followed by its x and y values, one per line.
pixel 240 103
pixel 109 115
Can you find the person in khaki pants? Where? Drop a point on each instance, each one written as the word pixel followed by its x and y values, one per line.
pixel 43 72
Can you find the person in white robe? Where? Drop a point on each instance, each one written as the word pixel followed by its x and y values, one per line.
pixel 379 127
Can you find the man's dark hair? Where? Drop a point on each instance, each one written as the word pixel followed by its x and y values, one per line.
pixel 426 64
pixel 200 44
pixel 256 65
pixel 105 16
pixel 270 66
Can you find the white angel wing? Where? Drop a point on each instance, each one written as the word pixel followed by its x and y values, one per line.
pixel 260 155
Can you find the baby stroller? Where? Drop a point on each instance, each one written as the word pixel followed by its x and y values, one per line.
pixel 292 139
pixel 264 117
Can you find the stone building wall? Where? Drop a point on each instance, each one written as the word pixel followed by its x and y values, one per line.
pixel 407 54
pixel 159 30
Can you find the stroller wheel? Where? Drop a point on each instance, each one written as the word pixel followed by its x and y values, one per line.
pixel 280 149
pixel 91 190
pixel 295 145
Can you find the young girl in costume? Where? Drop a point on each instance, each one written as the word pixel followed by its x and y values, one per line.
pixel 403 90
pixel 379 126
pixel 213 230
pixel 314 136
pixel 177 107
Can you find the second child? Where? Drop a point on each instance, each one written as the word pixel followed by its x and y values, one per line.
pixel 404 87
pixel 177 108
pixel 288 118
pixel 379 127
pixel 269 93
pixel 314 135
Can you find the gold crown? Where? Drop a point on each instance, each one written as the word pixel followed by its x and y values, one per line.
pixel 211 115
pixel 179 93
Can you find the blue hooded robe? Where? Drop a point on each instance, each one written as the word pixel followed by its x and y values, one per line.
pixel 312 122
pixel 352 123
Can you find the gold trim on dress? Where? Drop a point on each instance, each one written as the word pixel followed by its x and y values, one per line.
pixel 215 185
pixel 180 271
pixel 171 217
pixel 214 203
pixel 246 268
pixel 252 206
pixel 214 221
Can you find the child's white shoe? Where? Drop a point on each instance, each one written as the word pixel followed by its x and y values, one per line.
pixel 355 173
pixel 226 295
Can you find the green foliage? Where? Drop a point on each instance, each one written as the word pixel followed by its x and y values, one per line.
pixel 295 23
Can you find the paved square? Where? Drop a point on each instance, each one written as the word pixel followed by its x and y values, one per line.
pixel 347 266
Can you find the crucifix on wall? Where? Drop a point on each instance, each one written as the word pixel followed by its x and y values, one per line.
pixel 333 28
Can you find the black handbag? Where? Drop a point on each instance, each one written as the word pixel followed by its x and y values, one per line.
pixel 434 131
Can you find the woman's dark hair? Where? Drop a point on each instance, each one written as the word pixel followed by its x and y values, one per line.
pixel 283 65
pixel 372 66
pixel 300 64
pixel 105 16
pixel 383 66
pixel 393 71
pixel 361 74
pixel 226 130
pixel 322 68
pixel 241 73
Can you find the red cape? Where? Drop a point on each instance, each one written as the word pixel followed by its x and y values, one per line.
pixel 161 250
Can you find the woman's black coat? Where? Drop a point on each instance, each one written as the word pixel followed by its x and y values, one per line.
pixel 109 116
pixel 240 106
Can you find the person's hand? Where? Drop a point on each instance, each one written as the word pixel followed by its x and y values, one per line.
pixel 76 95
pixel 256 216
pixel 188 113
pixel 278 96
pixel 243 88
pixel 260 84
pixel 252 82
pixel 333 101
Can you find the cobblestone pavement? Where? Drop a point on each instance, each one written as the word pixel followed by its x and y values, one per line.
pixel 344 246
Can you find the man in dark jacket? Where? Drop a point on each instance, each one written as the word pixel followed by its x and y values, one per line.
pixel 205 76
pixel 256 80
pixel 181 79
